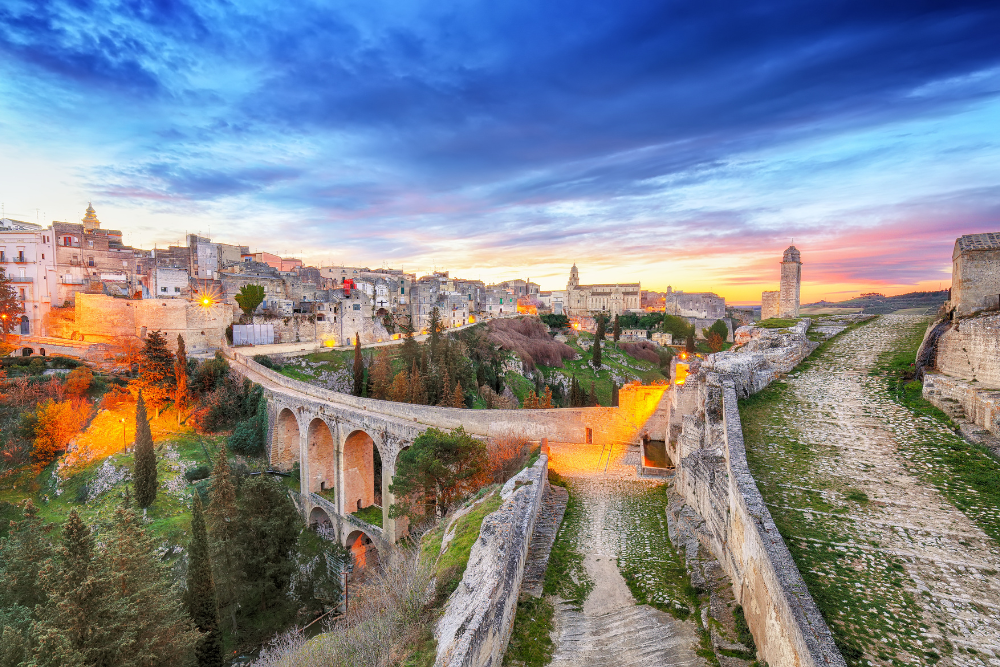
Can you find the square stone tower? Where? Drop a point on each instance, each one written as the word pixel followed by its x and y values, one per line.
pixel 791 280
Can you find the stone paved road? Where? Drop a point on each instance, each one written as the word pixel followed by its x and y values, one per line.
pixel 909 569
pixel 612 629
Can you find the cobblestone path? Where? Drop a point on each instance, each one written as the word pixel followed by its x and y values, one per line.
pixel 611 629
pixel 900 572
pixel 550 515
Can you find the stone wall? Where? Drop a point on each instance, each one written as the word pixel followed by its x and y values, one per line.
pixel 975 280
pixel 479 615
pixel 970 350
pixel 980 406
pixel 705 437
pixel 770 304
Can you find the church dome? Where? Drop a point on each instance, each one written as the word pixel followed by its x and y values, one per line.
pixel 90 220
pixel 791 255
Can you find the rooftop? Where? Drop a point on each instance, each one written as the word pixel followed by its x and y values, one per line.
pixel 986 241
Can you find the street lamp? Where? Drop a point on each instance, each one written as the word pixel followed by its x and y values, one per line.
pixel 124 445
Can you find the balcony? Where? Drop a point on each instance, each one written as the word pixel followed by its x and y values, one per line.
pixel 22 279
pixel 71 280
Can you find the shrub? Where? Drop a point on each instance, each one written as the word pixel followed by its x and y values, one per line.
pixel 529 339
pixel 505 454
pixel 198 472
pixel 642 350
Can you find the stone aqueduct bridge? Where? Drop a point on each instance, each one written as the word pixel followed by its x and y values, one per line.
pixel 335 438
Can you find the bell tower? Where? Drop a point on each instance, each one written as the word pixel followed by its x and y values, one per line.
pixel 90 221
pixel 791 282
pixel 574 278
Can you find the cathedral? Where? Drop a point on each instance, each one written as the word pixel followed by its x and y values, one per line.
pixel 582 300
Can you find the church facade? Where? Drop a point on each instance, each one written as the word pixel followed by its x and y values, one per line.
pixel 583 300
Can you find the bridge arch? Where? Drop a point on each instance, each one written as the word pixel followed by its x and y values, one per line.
pixel 322 456
pixel 319 519
pixel 362 548
pixel 285 448
pixel 359 471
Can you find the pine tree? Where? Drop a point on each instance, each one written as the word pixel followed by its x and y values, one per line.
pixel 150 625
pixel 418 392
pixel 156 372
pixel 445 390
pixel 22 554
pixel 399 391
pixel 547 399
pixel 144 468
pixel 202 603
pixel 180 376
pixel 381 375
pixel 267 531
pixel 222 526
pixel 531 402
pixel 435 332
pixel 616 332
pixel 410 351
pixel 69 629
pixel 574 393
pixel 458 397
pixel 359 367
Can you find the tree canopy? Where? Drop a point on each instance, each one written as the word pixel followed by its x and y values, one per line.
pixel 249 297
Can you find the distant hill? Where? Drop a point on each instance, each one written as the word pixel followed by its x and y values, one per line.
pixel 877 304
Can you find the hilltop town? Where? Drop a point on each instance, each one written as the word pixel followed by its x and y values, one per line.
pixel 79 282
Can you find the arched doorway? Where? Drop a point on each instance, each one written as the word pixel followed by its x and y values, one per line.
pixel 285 450
pixel 359 472
pixel 362 549
pixel 322 455
pixel 25 325
pixel 26 352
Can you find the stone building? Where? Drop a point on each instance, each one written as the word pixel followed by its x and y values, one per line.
pixel 92 259
pixel 26 256
pixel 582 300
pixel 975 274
pixel 784 302
pixel 698 305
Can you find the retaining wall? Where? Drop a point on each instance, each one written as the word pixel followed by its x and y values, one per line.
pixel 715 482
pixel 479 615
pixel 970 349
pixel 981 405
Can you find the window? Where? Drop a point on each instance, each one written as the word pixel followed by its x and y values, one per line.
pixel 90 244
pixel 357 306
pixel 43 255
pixel 67 241
pixel 90 261
pixel 163 289
pixel 177 290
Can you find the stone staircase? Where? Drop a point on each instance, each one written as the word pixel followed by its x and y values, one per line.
pixel 547 524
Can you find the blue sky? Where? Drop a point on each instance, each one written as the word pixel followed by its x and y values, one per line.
pixel 672 143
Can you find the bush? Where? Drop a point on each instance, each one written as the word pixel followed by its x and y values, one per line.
pixel 249 438
pixel 529 339
pixel 210 375
pixel 642 350
pixel 198 472
pixel 233 402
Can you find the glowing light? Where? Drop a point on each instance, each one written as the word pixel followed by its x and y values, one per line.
pixel 207 296
pixel 395 336
pixel 331 342
pixel 681 373
pixel 472 319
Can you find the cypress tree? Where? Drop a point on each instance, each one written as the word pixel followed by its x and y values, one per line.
pixel 445 392
pixel 202 603
pixel 547 400
pixel 592 397
pixel 22 555
pixel 597 348
pixel 222 524
pixel 689 344
pixel 458 398
pixel 616 332
pixel 268 530
pixel 614 394
pixel 417 393
pixel 435 332
pixel 180 373
pixel 359 367
pixel 144 469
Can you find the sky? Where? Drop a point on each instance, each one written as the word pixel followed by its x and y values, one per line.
pixel 682 144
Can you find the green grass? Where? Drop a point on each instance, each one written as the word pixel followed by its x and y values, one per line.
pixel 612 359
pixel 451 564
pixel 967 474
pixel 653 569
pixel 371 514
pixel 859 590
pixel 566 575
pixel 530 644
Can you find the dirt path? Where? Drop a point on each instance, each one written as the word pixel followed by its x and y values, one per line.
pixel 911 579
pixel 611 629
